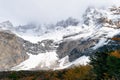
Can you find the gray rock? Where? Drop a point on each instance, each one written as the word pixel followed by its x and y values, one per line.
pixel 76 48
pixel 40 47
pixel 11 50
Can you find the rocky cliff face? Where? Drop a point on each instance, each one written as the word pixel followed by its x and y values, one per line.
pixel 40 47
pixel 11 50
pixel 76 48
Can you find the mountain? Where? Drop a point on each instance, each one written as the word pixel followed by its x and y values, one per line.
pixel 64 44
pixel 7 25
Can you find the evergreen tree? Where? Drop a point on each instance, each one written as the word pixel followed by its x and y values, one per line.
pixel 106 65
pixel 114 67
pixel 98 61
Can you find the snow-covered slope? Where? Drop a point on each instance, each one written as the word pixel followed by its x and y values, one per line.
pixel 72 43
pixel 46 60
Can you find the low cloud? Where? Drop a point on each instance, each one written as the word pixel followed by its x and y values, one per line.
pixel 46 11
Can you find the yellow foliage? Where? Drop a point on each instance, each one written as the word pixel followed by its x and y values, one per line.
pixel 79 73
pixel 116 39
pixel 116 53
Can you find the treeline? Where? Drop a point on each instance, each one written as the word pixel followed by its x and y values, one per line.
pixel 103 66
pixel 76 73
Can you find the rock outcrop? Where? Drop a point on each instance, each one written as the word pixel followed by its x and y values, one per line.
pixel 40 47
pixel 12 51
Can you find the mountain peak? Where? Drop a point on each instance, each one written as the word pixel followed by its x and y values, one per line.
pixel 6 25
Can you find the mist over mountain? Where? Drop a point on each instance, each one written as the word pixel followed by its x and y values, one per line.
pixel 46 11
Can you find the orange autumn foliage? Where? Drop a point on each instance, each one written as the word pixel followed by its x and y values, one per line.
pixel 116 39
pixel 116 53
pixel 79 73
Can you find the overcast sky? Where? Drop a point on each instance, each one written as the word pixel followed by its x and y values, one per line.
pixel 42 11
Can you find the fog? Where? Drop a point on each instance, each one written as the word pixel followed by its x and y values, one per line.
pixel 46 11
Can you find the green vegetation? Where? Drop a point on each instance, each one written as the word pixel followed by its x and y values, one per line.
pixel 106 65
pixel 13 76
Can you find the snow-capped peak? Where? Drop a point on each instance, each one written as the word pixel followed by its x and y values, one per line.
pixel 6 25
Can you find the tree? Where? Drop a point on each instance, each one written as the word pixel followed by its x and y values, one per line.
pixel 106 65
pixel 79 73
pixel 113 62
pixel 98 61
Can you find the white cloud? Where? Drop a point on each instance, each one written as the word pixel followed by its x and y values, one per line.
pixel 23 11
